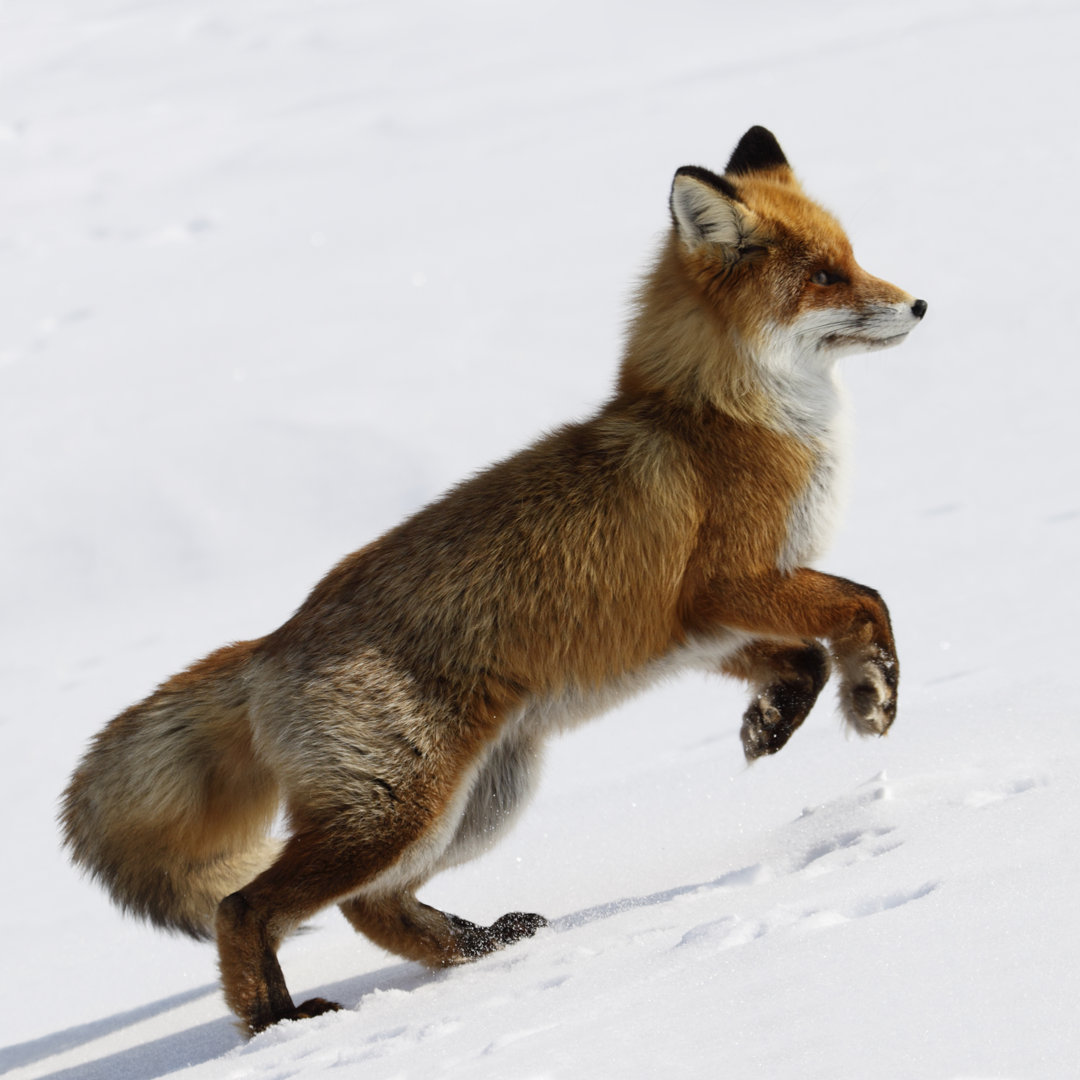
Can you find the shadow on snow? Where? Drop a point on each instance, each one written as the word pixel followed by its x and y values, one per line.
pixel 196 1045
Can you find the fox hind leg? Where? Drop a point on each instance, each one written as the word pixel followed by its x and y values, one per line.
pixel 402 924
pixel 250 973
pixel 330 859
pixel 318 866
pixel 393 917
pixel 786 680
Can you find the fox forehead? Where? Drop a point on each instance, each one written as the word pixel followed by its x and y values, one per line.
pixel 792 220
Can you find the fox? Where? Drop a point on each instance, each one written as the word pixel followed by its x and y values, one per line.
pixel 395 723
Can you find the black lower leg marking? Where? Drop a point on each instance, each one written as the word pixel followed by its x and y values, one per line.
pixel 783 703
pixel 475 941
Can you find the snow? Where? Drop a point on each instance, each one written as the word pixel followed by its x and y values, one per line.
pixel 276 273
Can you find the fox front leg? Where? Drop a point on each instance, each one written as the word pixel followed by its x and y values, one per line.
pixel 869 677
pixel 785 681
pixel 807 604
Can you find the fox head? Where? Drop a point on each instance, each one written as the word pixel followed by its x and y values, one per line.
pixel 776 267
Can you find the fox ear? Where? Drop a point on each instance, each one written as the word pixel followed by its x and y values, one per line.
pixel 758 151
pixel 706 210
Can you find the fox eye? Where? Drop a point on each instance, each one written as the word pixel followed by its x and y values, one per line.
pixel 826 277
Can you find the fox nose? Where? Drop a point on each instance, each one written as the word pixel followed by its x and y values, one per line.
pixel 918 309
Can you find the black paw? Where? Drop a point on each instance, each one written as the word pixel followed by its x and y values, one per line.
pixel 475 941
pixel 313 1007
pixel 776 713
pixel 515 926
pixel 766 727
pixel 267 1017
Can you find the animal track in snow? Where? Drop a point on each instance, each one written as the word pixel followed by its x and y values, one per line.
pixel 776 891
pixel 989 796
pixel 732 931
pixel 851 847
pixel 895 899
pixel 821 918
pixel 725 933
pixel 511 1037
pixel 832 837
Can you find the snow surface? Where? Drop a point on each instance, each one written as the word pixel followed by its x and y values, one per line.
pixel 276 273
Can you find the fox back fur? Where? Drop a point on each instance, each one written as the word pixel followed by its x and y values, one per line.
pixel 398 717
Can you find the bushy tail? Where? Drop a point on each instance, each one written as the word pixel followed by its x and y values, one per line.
pixel 170 807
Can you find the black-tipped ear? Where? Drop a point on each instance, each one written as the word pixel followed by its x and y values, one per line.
pixel 707 211
pixel 717 183
pixel 757 150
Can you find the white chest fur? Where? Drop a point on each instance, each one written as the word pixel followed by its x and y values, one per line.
pixel 810 404
pixel 813 518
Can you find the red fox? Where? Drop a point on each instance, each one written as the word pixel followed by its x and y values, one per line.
pixel 398 717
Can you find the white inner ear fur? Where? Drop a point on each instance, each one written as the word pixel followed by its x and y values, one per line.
pixel 704 216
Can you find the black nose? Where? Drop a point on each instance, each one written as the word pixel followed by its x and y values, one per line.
pixel 918 309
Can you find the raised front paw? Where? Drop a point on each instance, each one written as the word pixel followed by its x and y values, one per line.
pixel 868 690
pixel 794 678
pixel 768 724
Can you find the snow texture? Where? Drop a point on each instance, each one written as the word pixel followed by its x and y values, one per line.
pixel 277 273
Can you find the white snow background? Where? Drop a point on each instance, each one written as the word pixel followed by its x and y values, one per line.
pixel 276 273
